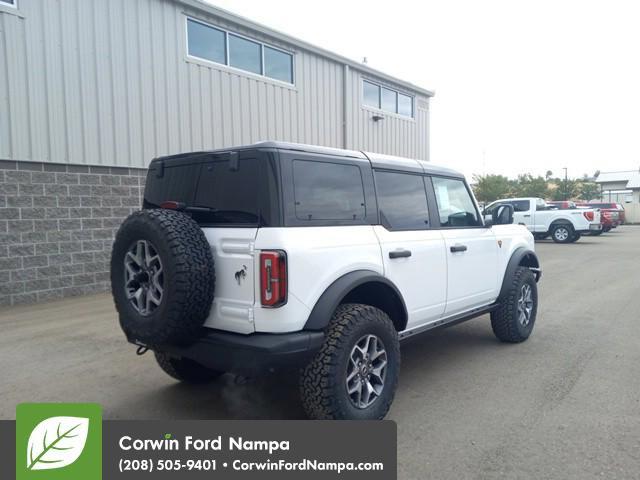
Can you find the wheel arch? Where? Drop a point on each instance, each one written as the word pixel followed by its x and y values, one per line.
pixel 360 286
pixel 521 257
pixel 561 221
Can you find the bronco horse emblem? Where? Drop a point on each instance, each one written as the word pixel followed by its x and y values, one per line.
pixel 241 274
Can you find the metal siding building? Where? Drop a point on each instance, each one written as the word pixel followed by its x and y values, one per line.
pixel 109 82
pixel 92 90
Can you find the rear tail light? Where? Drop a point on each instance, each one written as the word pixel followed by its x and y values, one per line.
pixel 589 216
pixel 171 205
pixel 273 278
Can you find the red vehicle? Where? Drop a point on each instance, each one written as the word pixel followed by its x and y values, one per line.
pixel 609 214
pixel 610 206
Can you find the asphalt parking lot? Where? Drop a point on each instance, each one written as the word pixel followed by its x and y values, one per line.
pixel 565 404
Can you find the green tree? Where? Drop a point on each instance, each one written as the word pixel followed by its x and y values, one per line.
pixel 529 186
pixel 589 191
pixel 488 188
pixel 565 189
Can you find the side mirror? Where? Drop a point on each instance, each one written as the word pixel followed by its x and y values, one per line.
pixel 503 215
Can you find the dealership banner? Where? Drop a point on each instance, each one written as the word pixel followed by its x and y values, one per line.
pixel 71 441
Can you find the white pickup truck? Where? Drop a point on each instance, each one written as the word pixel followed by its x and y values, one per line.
pixel 564 226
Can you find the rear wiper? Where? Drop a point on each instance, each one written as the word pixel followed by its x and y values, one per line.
pixel 202 209
pixel 183 207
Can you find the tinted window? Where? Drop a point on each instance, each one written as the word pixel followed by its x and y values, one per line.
pixel 245 54
pixel 405 105
pixel 455 206
pixel 388 98
pixel 371 94
pixel 206 42
pixel 220 192
pixel 402 201
pixel 327 191
pixel 278 65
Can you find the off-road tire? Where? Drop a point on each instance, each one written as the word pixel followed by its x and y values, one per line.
pixel 185 370
pixel 504 320
pixel 322 381
pixel 189 277
pixel 556 231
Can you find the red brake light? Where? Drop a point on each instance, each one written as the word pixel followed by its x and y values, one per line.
pixel 589 216
pixel 171 205
pixel 273 278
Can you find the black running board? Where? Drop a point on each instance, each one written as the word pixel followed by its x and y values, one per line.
pixel 449 321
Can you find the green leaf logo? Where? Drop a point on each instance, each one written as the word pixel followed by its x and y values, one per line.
pixel 57 442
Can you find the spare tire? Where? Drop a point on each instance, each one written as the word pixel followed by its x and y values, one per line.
pixel 162 277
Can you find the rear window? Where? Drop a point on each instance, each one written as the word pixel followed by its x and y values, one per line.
pixel 327 191
pixel 219 189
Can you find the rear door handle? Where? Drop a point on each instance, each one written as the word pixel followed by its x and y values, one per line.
pixel 458 248
pixel 400 254
pixel 526 216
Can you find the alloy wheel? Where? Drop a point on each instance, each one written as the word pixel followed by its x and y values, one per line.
pixel 525 305
pixel 561 233
pixel 366 371
pixel 143 277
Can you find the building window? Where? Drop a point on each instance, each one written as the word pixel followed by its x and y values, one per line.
pixel 371 94
pixel 226 48
pixel 405 105
pixel 278 65
pixel 207 42
pixel 245 54
pixel 386 99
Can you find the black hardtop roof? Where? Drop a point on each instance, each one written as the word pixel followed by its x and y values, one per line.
pixel 378 160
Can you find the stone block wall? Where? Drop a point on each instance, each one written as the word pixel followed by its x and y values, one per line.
pixel 57 224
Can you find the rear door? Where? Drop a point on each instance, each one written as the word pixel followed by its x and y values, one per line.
pixel 523 214
pixel 412 252
pixel 540 216
pixel 471 249
pixel 231 195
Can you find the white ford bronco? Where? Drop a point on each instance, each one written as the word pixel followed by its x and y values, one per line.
pixel 279 255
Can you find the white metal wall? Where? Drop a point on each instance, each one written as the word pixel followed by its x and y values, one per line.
pixel 108 82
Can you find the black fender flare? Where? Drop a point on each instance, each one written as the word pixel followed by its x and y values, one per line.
pixel 517 257
pixel 334 294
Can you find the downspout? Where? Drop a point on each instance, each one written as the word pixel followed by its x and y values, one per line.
pixel 345 109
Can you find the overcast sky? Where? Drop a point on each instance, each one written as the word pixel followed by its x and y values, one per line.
pixel 520 86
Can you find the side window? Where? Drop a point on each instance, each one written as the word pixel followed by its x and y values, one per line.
pixel 455 206
pixel 520 206
pixel 402 201
pixel 327 191
pixel 540 205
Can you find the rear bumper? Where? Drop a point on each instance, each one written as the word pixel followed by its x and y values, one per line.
pixel 250 354
pixel 594 227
